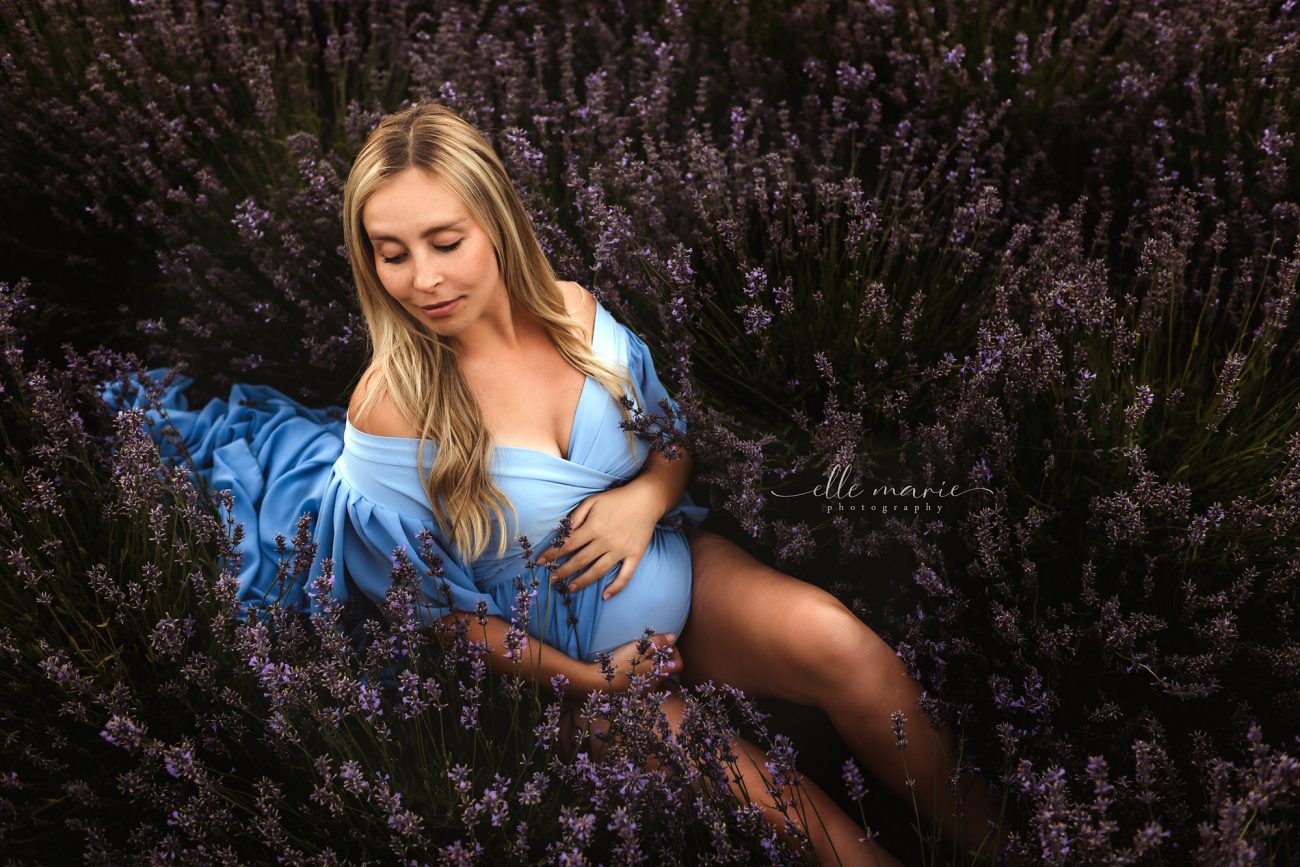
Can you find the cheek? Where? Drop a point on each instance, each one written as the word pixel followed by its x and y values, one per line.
pixel 390 284
pixel 486 260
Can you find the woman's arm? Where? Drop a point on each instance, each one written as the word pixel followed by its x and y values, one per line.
pixel 662 480
pixel 542 662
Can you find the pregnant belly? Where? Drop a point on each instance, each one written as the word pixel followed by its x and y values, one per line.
pixel 658 594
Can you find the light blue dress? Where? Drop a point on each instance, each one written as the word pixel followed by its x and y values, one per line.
pixel 281 460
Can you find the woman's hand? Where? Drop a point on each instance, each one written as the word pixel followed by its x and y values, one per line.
pixel 655 656
pixel 609 528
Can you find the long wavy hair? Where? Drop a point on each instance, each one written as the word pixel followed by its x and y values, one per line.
pixel 416 369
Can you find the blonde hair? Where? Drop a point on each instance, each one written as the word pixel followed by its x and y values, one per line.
pixel 416 369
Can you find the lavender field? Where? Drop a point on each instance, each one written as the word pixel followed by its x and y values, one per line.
pixel 1039 259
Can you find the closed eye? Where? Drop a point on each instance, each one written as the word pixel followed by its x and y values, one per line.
pixel 393 260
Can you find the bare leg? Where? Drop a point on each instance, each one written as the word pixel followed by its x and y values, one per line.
pixel 836 838
pixel 772 635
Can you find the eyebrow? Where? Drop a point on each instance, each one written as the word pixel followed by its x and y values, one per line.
pixel 432 230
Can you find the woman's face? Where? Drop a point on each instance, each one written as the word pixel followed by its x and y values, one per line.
pixel 430 251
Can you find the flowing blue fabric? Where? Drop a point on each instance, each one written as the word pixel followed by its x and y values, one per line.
pixel 281 460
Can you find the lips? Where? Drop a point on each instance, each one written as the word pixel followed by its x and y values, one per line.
pixel 446 308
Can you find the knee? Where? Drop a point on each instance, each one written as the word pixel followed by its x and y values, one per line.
pixel 840 648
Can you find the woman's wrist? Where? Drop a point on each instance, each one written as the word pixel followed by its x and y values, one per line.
pixel 586 677
pixel 650 495
pixel 661 482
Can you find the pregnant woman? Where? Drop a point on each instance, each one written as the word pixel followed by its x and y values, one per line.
pixel 490 408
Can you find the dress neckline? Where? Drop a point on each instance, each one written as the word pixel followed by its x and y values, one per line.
pixel 380 439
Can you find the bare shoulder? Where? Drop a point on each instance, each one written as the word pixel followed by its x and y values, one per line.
pixel 381 417
pixel 575 297
pixel 580 303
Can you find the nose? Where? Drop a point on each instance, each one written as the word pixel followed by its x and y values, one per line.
pixel 426 271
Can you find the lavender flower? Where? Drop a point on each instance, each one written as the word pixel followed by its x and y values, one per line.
pixel 853 782
pixel 898 722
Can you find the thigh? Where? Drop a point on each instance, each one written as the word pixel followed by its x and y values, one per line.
pixel 762 631
pixel 798 803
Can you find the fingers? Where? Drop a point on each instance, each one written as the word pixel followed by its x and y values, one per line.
pixel 672 662
pixel 595 568
pixel 575 563
pixel 658 642
pixel 663 646
pixel 660 660
pixel 579 515
pixel 677 665
pixel 592 570
pixel 572 547
pixel 555 552
pixel 576 519
pixel 659 638
pixel 625 571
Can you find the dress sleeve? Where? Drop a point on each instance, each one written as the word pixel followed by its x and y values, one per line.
pixel 278 457
pixel 361 536
pixel 650 389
